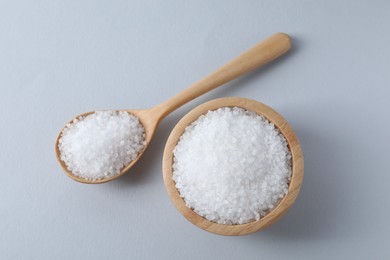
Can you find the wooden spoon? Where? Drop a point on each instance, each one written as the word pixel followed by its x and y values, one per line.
pixel 266 51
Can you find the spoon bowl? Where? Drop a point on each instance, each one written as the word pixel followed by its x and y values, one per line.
pixel 147 120
pixel 264 52
pixel 296 164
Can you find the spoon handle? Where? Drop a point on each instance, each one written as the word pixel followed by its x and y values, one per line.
pixel 264 52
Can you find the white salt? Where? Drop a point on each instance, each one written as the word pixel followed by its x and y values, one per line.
pixel 99 145
pixel 232 166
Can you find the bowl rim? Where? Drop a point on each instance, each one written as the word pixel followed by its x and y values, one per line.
pixel 296 160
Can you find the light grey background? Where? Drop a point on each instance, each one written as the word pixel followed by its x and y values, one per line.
pixel 61 58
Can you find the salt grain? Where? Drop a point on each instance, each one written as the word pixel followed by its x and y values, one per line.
pixel 232 166
pixel 99 145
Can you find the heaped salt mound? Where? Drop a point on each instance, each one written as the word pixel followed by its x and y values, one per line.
pixel 99 145
pixel 232 166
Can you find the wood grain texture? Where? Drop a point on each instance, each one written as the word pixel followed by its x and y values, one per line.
pixel 264 52
pixel 277 212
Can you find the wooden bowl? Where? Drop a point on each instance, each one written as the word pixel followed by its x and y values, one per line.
pixel 294 185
